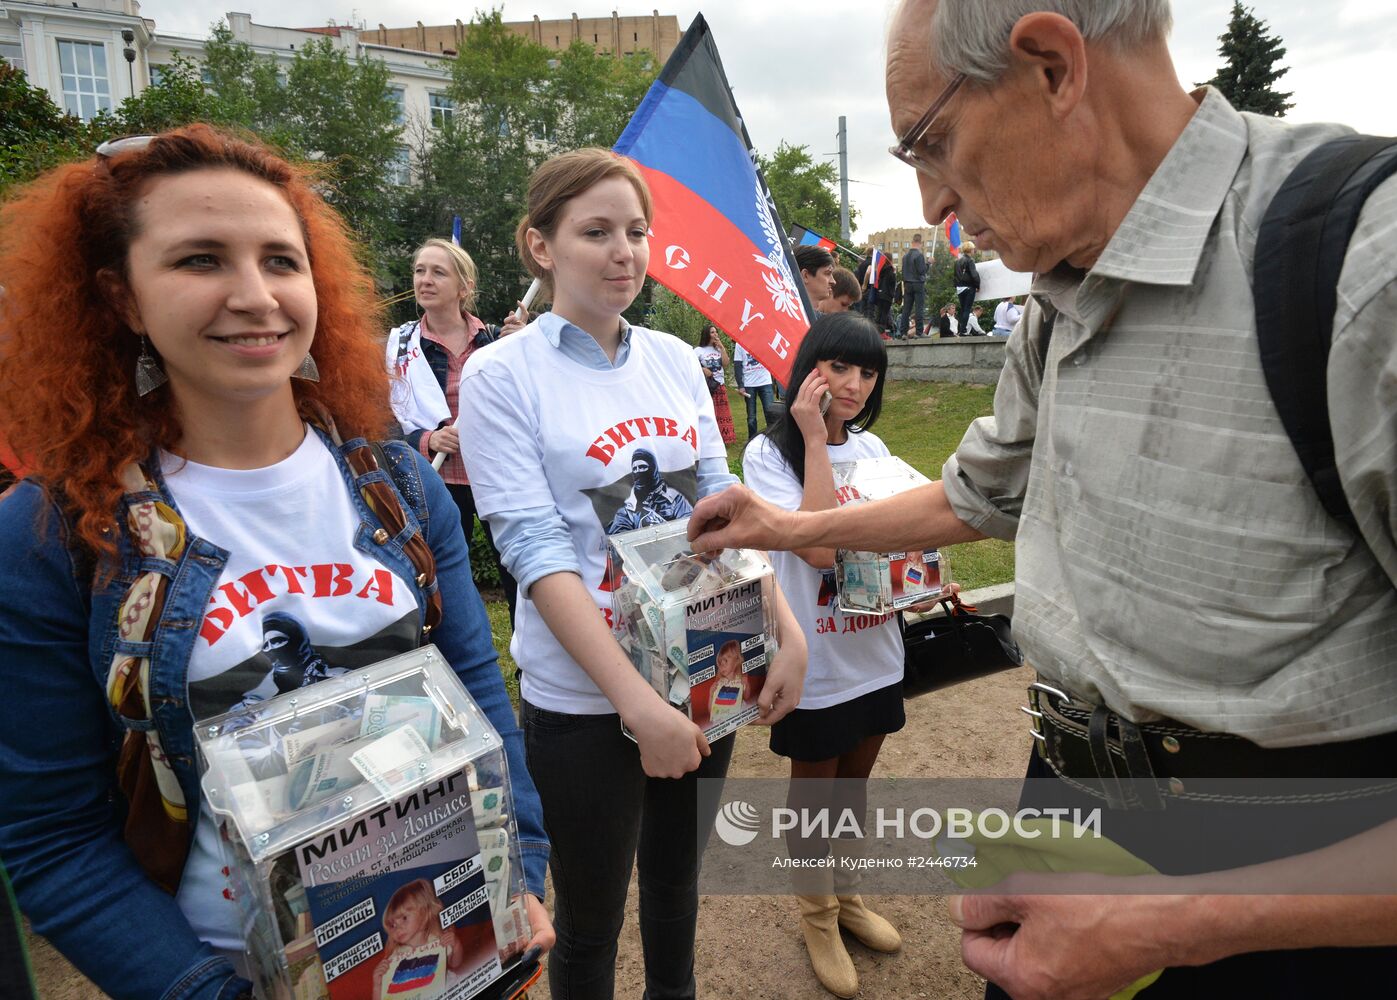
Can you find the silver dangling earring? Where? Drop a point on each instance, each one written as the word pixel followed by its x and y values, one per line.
pixel 308 370
pixel 149 375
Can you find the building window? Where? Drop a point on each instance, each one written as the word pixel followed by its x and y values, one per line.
pixel 400 167
pixel 157 74
pixel 12 53
pixel 397 96
pixel 441 110
pixel 83 67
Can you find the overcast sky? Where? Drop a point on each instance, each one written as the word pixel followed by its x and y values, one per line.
pixel 797 65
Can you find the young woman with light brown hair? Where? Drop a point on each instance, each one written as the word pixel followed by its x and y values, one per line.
pixel 568 414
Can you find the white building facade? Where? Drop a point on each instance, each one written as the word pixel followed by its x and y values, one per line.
pixel 76 51
pixel 90 55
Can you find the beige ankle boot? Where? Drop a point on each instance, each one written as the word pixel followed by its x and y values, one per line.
pixel 873 930
pixel 854 916
pixel 819 922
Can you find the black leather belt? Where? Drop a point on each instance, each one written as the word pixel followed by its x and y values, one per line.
pixel 1141 765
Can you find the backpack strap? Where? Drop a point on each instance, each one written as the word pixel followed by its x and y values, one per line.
pixel 1300 251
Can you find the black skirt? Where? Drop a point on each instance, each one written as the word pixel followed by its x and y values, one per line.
pixel 815 734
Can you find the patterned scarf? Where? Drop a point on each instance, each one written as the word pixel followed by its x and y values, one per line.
pixel 157 820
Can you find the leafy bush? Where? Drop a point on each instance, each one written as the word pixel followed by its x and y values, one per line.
pixel 483 568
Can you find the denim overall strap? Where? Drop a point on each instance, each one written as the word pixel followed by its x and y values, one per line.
pixel 384 501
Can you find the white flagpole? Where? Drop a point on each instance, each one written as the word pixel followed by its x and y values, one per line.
pixel 523 311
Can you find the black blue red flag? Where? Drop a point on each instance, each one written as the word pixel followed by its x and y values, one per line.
pixel 716 241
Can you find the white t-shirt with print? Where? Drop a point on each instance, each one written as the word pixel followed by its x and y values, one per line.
pixel 610 448
pixel 754 373
pixel 712 360
pixel 296 603
pixel 850 655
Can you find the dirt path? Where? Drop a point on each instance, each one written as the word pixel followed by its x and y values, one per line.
pixel 973 730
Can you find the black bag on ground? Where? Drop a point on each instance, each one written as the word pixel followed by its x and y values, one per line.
pixel 961 645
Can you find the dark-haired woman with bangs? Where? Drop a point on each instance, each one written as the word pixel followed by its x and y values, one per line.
pixel 853 687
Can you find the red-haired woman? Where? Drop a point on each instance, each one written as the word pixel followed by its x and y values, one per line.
pixel 188 344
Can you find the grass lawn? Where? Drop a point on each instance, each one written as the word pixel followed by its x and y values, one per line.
pixel 922 422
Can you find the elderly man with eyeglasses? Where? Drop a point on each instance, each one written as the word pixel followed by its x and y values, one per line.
pixel 1196 610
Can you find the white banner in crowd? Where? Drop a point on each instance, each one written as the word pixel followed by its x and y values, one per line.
pixel 998 282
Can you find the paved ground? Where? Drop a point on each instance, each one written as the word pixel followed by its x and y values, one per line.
pixel 973 730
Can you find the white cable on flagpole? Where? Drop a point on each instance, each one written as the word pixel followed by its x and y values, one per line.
pixel 523 311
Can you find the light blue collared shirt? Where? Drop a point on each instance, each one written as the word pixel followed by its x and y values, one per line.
pixel 579 345
pixel 533 542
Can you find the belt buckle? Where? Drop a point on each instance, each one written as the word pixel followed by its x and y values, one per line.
pixel 1033 709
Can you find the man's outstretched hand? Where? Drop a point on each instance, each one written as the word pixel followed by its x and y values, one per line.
pixel 738 519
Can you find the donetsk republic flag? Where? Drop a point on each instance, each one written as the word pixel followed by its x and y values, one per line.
pixel 716 241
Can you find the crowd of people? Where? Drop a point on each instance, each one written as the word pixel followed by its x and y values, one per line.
pixel 212 428
pixel 896 301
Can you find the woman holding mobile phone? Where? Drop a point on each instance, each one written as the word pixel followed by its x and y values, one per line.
pixel 577 418
pixel 853 690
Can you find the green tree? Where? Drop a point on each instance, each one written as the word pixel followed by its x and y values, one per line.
pixel 1249 71
pixel 245 86
pixel 670 313
pixel 342 114
pixel 179 98
pixel 940 281
pixel 322 108
pixel 475 162
pixel 595 95
pixel 35 134
pixel 514 103
pixel 806 192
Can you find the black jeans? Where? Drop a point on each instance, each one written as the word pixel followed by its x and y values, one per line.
pixel 966 300
pixel 465 502
pixel 1296 974
pixel 602 814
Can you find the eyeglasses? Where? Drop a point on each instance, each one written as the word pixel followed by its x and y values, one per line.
pixel 905 150
pixel 125 144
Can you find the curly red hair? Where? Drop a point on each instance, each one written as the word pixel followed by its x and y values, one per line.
pixel 68 403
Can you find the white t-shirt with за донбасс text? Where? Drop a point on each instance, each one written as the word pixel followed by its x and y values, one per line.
pixel 850 655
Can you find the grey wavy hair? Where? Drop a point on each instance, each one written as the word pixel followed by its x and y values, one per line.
pixel 972 36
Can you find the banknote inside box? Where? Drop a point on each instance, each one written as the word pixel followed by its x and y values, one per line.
pixel 369 835
pixel 884 582
pixel 700 629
